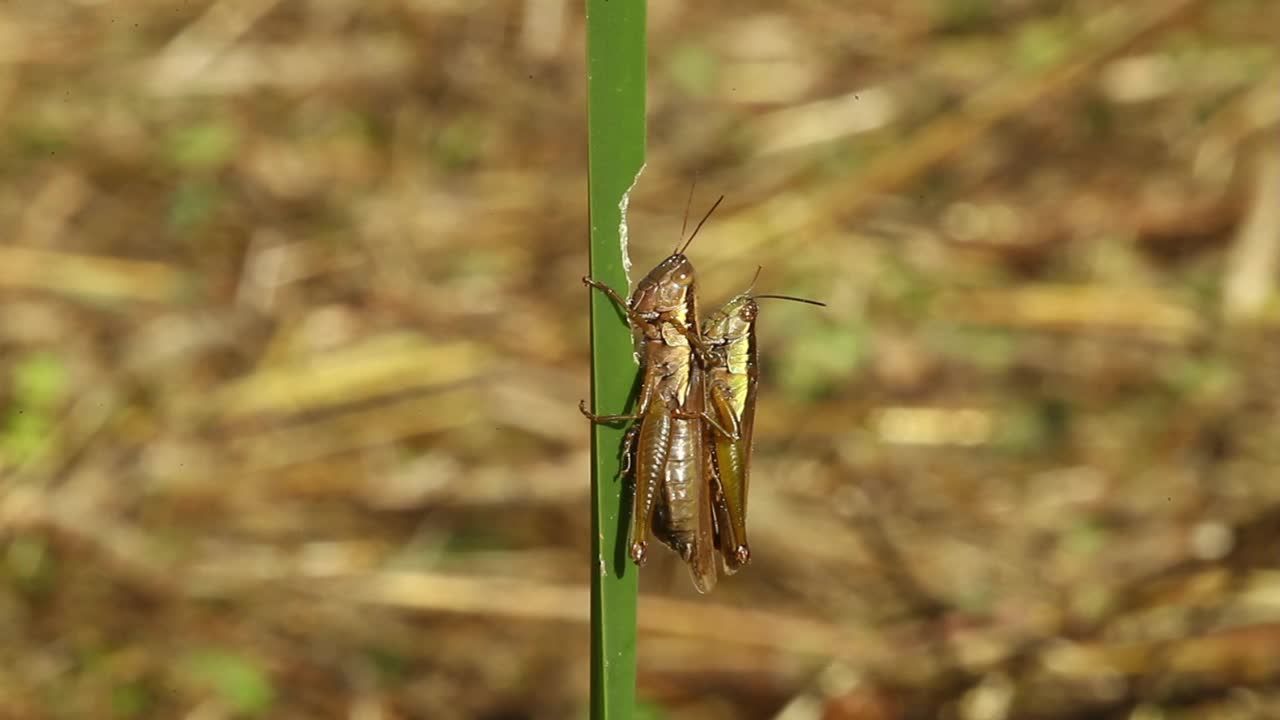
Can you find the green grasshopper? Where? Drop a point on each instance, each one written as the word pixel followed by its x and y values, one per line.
pixel 671 490
pixel 730 358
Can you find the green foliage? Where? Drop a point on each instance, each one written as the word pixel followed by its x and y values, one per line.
pixel 907 288
pixel 1035 427
pixel 205 146
pixel 694 69
pixel 1041 45
pixel 647 710
pixel 390 667
pixel 39 380
pixel 816 362
pixel 39 140
pixel 475 537
pixel 991 350
pixel 29 563
pixel 130 700
pixel 460 144
pixel 237 680
pixel 193 205
pixel 39 386
pixel 962 16
pixel 1085 538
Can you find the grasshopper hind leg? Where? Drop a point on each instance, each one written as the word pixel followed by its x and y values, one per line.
pixel 651 443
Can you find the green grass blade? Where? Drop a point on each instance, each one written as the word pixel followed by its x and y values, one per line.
pixel 616 136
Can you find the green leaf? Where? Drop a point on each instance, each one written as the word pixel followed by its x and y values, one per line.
pixel 616 137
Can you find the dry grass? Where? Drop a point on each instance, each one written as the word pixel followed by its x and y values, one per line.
pixel 292 337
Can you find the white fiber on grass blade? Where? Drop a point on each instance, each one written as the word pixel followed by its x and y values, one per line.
pixel 622 225
pixel 622 236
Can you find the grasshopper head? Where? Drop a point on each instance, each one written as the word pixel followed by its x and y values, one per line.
pixel 667 287
pixel 733 321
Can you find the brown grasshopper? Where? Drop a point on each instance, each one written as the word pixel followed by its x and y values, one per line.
pixel 668 441
pixel 730 358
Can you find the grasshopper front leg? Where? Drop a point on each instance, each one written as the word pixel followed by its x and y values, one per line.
pixel 634 317
pixel 603 419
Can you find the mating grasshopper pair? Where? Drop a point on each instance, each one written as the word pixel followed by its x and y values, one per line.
pixel 691 447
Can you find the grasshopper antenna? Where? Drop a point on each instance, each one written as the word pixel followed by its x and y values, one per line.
pixel 684 224
pixel 792 298
pixel 700 224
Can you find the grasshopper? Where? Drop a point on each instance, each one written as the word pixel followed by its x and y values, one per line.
pixel 683 521
pixel 668 440
pixel 730 359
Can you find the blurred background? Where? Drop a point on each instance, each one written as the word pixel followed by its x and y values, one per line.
pixel 292 337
